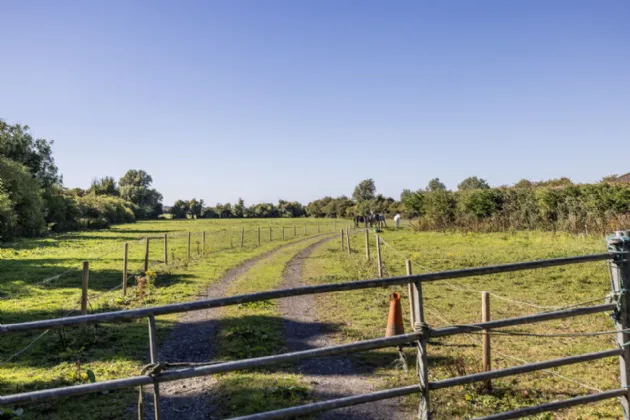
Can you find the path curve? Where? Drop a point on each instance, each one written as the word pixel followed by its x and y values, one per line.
pixel 192 341
pixel 330 377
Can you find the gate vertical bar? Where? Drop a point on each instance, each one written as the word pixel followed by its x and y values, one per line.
pixel 153 353
pixel 424 410
pixel 620 279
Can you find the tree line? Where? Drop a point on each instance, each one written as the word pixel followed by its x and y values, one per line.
pixel 33 199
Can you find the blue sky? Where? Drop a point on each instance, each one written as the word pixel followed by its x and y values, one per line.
pixel 268 99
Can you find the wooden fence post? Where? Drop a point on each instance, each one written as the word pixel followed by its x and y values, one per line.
pixel 283 232
pixel 203 243
pixel 367 245
pixel 620 279
pixel 318 231
pixel 146 255
pixel 242 236
pixel 166 249
pixel 270 235
pixel 342 239
pixel 294 231
pixel 379 260
pixel 125 261
pixel 485 337
pixel 189 237
pixel 412 303
pixel 84 287
pixel 348 239
pixel 258 235
pixel 424 412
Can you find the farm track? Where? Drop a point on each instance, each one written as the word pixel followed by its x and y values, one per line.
pixel 330 377
pixel 192 341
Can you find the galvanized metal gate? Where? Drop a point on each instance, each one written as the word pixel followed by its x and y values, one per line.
pixel 617 255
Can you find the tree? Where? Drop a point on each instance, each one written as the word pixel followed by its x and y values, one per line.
pixel 473 183
pixel 104 186
pixel 17 144
pixel 239 208
pixel 609 178
pixel 195 207
pixel 135 188
pixel 179 209
pixel 366 190
pixel 436 185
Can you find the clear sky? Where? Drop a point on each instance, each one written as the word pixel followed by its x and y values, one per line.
pixel 298 99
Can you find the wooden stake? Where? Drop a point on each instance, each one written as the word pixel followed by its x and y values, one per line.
pixel 342 239
pixel 367 245
pixel 125 261
pixel 378 256
pixel 485 337
pixel 318 231
pixel 146 255
pixel 283 232
pixel 165 249
pixel 270 235
pixel 258 235
pixel 203 243
pixel 412 303
pixel 189 237
pixel 242 237
pixel 84 287
pixel 294 231
pixel 348 239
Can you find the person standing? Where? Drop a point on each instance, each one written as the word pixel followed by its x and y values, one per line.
pixel 397 220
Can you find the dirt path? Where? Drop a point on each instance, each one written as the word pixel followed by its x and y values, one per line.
pixel 330 377
pixel 192 341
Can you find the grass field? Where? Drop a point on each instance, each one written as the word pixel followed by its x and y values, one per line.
pixel 363 315
pixel 118 350
pixel 113 350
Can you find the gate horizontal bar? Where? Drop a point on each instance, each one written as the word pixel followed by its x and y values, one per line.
pixel 174 375
pixel 297 291
pixel 529 319
pixel 530 367
pixel 333 404
pixel 556 405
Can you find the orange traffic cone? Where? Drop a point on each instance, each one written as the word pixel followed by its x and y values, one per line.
pixel 394 320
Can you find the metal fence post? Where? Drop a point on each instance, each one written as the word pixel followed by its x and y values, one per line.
pixel 620 279
pixel 424 410
pixel 153 353
pixel 412 303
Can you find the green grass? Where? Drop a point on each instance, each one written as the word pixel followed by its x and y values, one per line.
pixel 364 314
pixel 109 350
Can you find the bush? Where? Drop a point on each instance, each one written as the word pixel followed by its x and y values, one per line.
pixel 21 194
